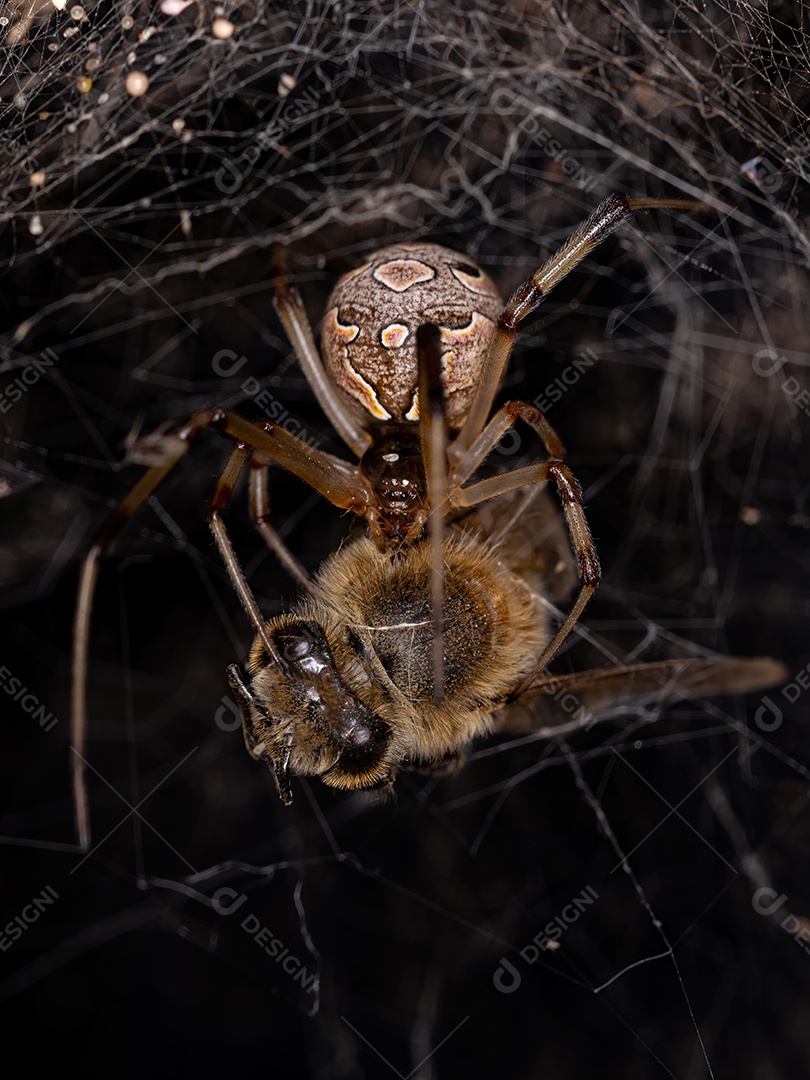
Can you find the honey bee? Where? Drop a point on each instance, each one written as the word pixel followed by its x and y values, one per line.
pixel 355 700
pixel 433 629
pixel 356 696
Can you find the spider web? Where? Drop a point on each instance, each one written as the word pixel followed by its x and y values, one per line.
pixel 628 901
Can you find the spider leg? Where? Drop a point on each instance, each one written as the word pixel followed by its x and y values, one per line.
pixel 432 437
pixel 216 508
pixel 338 481
pixel 581 541
pixel 293 316
pixel 102 540
pixel 260 516
pixel 489 438
pixel 608 216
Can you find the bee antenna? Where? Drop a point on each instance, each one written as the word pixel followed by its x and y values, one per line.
pixel 281 770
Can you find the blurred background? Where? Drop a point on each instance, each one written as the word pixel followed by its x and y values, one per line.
pixel 152 155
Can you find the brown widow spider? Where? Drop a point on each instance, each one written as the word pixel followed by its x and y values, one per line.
pixel 405 647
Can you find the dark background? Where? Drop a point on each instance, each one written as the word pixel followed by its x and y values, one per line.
pixel 495 130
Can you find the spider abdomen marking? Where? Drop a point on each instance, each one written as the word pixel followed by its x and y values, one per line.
pixel 368 335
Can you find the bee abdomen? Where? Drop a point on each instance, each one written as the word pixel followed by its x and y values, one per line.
pixel 493 627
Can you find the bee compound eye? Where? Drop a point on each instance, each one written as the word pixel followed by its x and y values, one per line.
pixel 295 643
pixel 360 736
pixel 297 649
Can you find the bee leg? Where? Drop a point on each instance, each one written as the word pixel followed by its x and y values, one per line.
pixel 447 765
pixel 383 791
pixel 249 705
pixel 247 702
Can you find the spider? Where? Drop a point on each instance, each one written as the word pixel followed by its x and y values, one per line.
pixel 414 407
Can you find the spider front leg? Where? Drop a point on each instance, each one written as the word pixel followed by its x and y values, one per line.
pixel 607 217
pixel 432 429
pixel 338 481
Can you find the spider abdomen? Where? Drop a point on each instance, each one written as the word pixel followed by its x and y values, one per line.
pixel 368 335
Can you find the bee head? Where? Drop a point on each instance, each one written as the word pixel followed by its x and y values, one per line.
pixel 304 719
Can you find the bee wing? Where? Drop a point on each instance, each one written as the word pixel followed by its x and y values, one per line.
pixel 572 701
